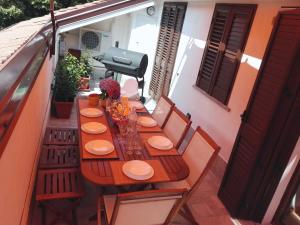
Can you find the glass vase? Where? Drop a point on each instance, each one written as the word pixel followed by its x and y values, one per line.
pixel 123 125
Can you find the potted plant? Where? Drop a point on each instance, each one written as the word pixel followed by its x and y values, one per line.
pixel 67 77
pixel 85 71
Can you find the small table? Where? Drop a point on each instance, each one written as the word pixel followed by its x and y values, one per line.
pixel 107 171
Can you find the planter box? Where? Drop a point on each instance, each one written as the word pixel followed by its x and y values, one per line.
pixel 63 109
pixel 84 84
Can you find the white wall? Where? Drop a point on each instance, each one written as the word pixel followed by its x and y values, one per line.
pixel 71 39
pixel 121 30
pixel 143 37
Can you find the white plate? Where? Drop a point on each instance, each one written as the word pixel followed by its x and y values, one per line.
pixel 138 170
pixel 136 104
pixel 160 142
pixel 146 121
pixel 91 112
pixel 99 147
pixel 93 128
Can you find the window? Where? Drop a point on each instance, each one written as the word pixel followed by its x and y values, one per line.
pixel 168 40
pixel 228 33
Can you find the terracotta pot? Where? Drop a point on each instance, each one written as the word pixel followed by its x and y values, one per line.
pixel 84 84
pixel 63 109
pixel 93 99
pixel 103 103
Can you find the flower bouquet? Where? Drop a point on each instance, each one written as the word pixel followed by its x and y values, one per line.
pixel 109 89
pixel 120 111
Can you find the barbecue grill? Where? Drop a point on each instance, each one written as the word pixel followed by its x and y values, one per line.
pixel 125 62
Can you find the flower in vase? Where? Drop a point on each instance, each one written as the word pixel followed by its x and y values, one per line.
pixel 119 111
pixel 109 88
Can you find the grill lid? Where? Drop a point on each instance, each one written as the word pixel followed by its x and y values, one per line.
pixel 124 61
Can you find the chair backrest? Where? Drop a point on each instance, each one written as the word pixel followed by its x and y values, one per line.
pixel 162 110
pixel 130 87
pixel 177 126
pixel 147 207
pixel 199 155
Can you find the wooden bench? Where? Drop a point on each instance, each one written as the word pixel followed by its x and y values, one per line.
pixel 56 184
pixel 60 136
pixel 55 156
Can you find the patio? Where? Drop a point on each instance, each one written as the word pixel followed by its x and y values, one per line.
pixel 205 204
pixel 229 68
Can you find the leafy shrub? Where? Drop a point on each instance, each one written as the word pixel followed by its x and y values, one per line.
pixel 85 66
pixel 67 78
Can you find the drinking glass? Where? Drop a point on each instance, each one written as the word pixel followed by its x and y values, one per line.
pixel 123 127
pixel 131 130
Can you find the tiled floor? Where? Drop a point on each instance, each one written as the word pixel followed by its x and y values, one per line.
pixel 205 205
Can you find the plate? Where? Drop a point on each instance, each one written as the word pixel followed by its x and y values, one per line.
pixel 99 147
pixel 93 128
pixel 138 170
pixel 136 104
pixel 146 121
pixel 160 142
pixel 91 112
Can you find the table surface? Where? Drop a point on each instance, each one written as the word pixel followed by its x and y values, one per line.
pixel 107 171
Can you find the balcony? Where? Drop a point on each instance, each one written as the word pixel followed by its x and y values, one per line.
pixel 29 52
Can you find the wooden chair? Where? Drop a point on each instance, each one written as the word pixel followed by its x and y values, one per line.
pixel 177 126
pixel 130 89
pixel 162 110
pixel 56 184
pixel 55 156
pixel 141 208
pixel 199 154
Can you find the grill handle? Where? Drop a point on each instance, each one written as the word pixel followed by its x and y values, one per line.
pixel 121 60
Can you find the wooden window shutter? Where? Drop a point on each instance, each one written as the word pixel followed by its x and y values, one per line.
pixel 270 126
pixel 226 41
pixel 169 36
pixel 214 47
pixel 235 40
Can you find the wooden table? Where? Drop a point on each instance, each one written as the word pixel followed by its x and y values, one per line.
pixel 108 171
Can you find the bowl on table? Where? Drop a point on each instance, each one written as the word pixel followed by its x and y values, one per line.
pixel 93 99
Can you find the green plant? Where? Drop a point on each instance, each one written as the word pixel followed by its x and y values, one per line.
pixel 103 95
pixel 85 66
pixel 67 78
